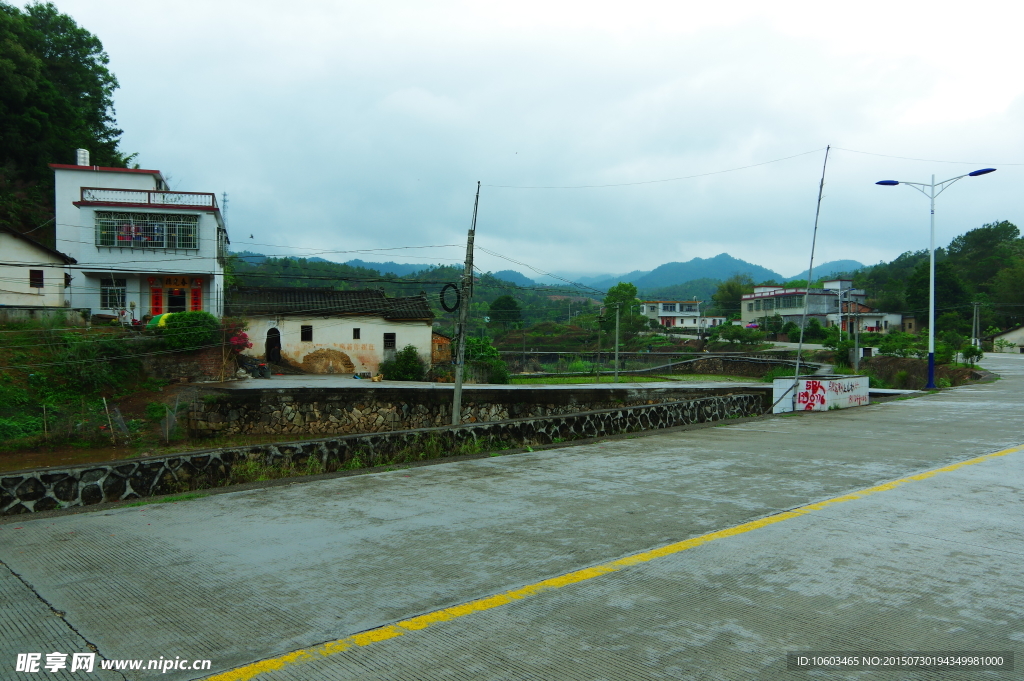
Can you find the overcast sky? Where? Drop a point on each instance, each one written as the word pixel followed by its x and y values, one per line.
pixel 339 126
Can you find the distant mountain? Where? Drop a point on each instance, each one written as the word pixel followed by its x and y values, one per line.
pixel 250 257
pixel 830 269
pixel 722 266
pixel 399 269
pixel 697 289
pixel 514 277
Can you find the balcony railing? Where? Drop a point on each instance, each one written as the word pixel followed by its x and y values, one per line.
pixel 141 197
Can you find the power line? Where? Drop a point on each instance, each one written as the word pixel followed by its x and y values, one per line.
pixel 669 179
pixel 928 160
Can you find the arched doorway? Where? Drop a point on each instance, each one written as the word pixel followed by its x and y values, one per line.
pixel 273 345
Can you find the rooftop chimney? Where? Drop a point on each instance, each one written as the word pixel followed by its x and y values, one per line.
pixel 83 157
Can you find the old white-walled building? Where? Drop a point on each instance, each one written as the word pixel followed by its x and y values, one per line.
pixel 138 242
pixel 31 274
pixel 324 331
pixel 1014 336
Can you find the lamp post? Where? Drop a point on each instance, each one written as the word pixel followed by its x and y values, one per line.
pixel 931 191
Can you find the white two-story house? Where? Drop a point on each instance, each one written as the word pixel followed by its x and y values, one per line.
pixel 139 246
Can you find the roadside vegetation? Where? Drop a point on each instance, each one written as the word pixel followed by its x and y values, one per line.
pixel 84 388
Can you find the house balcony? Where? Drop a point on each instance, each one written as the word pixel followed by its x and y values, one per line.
pixel 141 198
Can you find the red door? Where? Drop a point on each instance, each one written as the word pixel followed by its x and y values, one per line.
pixel 156 301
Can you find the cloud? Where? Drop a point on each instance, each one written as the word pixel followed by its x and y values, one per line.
pixel 366 125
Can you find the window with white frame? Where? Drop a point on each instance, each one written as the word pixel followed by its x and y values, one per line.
pixel 668 307
pixel 112 294
pixel 146 230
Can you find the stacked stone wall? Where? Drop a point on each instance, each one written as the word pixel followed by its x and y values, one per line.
pixel 200 365
pixel 351 410
pixel 33 491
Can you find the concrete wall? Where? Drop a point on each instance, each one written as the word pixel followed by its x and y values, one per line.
pixel 14 280
pixel 30 491
pixel 71 317
pixel 333 349
pixel 820 394
pixel 362 410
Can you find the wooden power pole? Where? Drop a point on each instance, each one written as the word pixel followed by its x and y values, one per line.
pixel 464 297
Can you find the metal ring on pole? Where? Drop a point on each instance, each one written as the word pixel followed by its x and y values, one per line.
pixel 458 297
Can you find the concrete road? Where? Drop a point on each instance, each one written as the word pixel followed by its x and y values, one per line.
pixel 661 556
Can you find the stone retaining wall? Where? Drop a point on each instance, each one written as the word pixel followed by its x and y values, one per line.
pixel 737 366
pixel 373 410
pixel 30 491
pixel 197 365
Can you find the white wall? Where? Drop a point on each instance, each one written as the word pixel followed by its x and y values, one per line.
pixel 335 334
pixel 14 280
pixel 76 229
pixel 1016 336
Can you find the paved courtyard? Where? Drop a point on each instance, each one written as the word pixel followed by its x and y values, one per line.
pixel 669 556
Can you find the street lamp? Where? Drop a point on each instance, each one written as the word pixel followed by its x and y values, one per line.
pixel 933 190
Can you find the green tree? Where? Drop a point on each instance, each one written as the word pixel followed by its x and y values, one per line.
pixel 56 95
pixel 1008 291
pixel 505 310
pixel 730 294
pixel 814 332
pixel 406 366
pixel 980 253
pixel 950 290
pixel 623 296
pixel 480 352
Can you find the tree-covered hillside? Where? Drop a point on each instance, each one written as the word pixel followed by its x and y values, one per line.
pixel 56 95
pixel 984 265
pixel 537 303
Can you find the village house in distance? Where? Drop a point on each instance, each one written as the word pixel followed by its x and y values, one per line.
pixel 679 314
pixel 324 331
pixel 823 304
pixel 139 247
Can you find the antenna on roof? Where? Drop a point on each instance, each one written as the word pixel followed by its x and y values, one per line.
pixel 224 207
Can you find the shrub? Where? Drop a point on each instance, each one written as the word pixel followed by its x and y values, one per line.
pixel 155 412
pixel 406 366
pixel 20 426
pixel 972 354
pixel 814 332
pixel 778 372
pixel 479 351
pixel 191 330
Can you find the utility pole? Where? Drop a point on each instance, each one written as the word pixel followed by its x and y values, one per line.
pixel 522 329
pixel 976 328
pixel 464 297
pixel 856 343
pixel 618 307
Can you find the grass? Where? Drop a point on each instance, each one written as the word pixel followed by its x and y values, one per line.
pixel 565 380
pixel 168 500
pixel 707 378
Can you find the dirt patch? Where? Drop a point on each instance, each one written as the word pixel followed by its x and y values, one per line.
pixel 910 373
pixel 327 361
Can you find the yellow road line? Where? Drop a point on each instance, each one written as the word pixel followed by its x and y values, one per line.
pixel 403 627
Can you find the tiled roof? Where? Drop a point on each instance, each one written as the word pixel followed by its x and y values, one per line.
pixel 68 260
pixel 325 302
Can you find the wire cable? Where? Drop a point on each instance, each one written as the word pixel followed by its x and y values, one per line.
pixel 668 179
